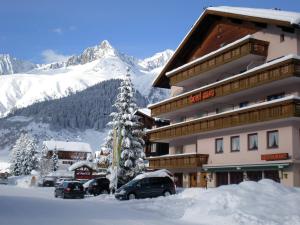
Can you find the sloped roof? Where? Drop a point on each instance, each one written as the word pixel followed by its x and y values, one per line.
pixel 269 16
pixel 68 146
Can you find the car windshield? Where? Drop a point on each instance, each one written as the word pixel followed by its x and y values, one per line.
pixel 131 183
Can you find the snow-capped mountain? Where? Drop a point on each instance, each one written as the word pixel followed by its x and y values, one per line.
pixel 93 65
pixel 10 65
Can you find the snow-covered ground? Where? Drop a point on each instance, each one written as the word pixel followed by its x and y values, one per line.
pixel 250 203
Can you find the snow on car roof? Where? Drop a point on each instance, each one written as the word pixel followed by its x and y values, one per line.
pixel 158 173
pixel 67 146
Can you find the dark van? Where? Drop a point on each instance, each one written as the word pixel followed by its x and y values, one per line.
pixel 148 187
pixel 69 189
pixel 97 186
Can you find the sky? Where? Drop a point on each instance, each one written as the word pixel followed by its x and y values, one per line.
pixel 48 30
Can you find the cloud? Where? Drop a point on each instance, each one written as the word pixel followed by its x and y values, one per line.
pixel 57 30
pixel 50 56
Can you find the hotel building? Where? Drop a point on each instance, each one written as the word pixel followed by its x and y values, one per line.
pixel 234 108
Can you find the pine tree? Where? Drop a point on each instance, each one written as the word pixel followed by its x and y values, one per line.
pixel 45 163
pixel 54 158
pixel 29 157
pixel 15 156
pixel 126 124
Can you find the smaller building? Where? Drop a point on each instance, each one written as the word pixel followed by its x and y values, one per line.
pixel 86 170
pixel 68 152
pixel 152 148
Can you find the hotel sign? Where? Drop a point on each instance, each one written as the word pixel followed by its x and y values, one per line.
pixel 202 96
pixel 274 157
pixel 83 173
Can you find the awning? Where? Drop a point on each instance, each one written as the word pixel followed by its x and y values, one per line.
pixel 246 167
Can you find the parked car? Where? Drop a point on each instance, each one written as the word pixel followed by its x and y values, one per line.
pixel 46 182
pixel 61 180
pixel 147 187
pixel 69 189
pixel 97 186
pixel 3 180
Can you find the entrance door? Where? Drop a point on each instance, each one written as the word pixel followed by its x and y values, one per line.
pixel 193 179
pixel 254 175
pixel 273 175
pixel 222 178
pixel 203 181
pixel 178 179
pixel 236 177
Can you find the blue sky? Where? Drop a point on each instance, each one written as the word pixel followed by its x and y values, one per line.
pixel 35 30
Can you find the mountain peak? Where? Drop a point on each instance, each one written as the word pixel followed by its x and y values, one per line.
pixel 11 65
pixel 105 45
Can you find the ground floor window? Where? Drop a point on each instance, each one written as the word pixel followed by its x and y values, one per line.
pixel 254 175
pixel 236 177
pixel 222 178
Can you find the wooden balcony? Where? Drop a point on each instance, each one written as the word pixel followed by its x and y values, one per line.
pixel 249 46
pixel 178 161
pixel 261 113
pixel 279 71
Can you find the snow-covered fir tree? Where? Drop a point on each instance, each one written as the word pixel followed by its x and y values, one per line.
pixel 23 156
pixel 45 163
pixel 54 159
pixel 129 131
pixel 15 156
pixel 29 156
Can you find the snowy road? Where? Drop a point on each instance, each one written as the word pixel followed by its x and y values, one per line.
pixel 250 203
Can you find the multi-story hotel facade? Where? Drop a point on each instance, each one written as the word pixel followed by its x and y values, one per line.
pixel 234 108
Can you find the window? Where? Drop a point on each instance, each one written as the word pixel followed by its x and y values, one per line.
pixel 243 104
pixel 179 149
pixel 281 37
pixel 272 139
pixel 252 141
pixel 219 148
pixel 235 144
pixel 275 96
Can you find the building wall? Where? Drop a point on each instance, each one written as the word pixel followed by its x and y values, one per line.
pixel 277 48
pixel 207 146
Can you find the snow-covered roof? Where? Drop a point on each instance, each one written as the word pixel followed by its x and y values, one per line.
pixel 207 56
pixel 145 111
pixel 273 14
pixel 81 164
pixel 158 173
pixel 278 17
pixel 68 146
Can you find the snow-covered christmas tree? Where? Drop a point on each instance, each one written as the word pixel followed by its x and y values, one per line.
pixel 29 160
pixel 45 163
pixel 23 156
pixel 54 159
pixel 15 156
pixel 126 134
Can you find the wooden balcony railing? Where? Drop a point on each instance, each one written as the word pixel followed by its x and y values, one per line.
pixel 282 70
pixel 249 46
pixel 266 112
pixel 178 161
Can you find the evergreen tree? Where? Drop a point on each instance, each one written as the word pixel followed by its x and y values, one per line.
pixel 54 158
pixel 29 157
pixel 15 156
pixel 45 163
pixel 129 131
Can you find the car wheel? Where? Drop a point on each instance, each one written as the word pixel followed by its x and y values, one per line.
pixel 104 192
pixel 96 193
pixel 55 195
pixel 131 196
pixel 167 193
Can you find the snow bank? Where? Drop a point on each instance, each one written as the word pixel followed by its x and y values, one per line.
pixel 265 202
